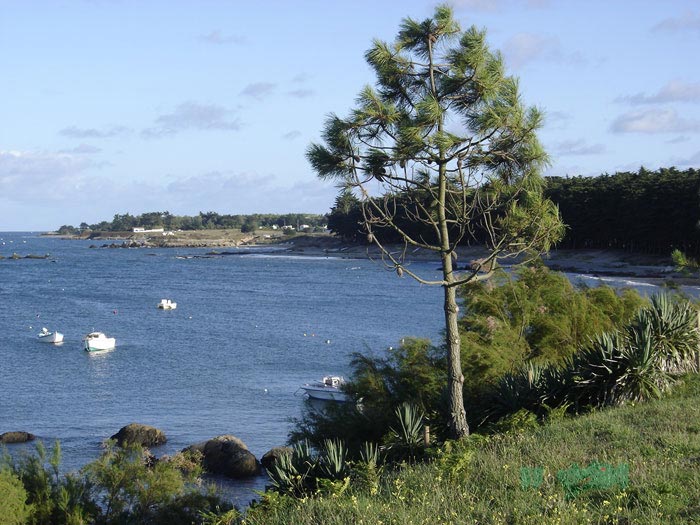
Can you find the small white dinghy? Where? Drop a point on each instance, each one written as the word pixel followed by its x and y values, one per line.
pixel 47 336
pixel 328 389
pixel 167 304
pixel 99 342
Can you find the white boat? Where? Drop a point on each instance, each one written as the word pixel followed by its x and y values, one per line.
pixel 47 336
pixel 167 304
pixel 328 389
pixel 98 342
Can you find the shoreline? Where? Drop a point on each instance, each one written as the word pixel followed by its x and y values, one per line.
pixel 593 262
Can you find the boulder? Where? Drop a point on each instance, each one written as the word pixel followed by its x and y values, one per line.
pixel 272 455
pixel 227 455
pixel 16 437
pixel 143 435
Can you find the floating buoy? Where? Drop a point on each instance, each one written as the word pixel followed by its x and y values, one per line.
pixel 328 341
pixel 114 312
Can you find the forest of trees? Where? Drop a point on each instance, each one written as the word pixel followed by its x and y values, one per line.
pixel 644 211
pixel 203 221
pixel 647 211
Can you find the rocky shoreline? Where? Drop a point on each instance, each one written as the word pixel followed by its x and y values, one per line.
pixel 609 263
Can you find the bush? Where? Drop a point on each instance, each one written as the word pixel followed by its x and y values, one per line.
pixel 13 502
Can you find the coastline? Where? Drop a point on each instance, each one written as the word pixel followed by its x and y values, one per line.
pixel 605 263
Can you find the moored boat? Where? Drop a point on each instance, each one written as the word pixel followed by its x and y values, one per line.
pixel 98 342
pixel 167 304
pixel 327 389
pixel 48 336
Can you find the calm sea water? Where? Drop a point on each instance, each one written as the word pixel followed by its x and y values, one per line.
pixel 248 330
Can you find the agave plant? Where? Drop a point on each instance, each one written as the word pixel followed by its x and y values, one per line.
pixel 333 460
pixel 644 375
pixel 406 441
pixel 293 473
pixel 674 333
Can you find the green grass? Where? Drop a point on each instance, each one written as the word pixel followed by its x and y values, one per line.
pixel 480 481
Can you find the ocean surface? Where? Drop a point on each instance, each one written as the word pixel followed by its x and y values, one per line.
pixel 249 329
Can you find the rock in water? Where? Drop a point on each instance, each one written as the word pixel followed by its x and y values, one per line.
pixel 138 434
pixel 272 455
pixel 227 455
pixel 16 437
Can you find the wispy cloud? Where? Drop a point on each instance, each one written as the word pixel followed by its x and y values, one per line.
pixel 678 140
pixel 94 133
pixel 259 90
pixel 654 121
pixel 218 38
pixel 193 116
pixel 693 161
pixel 499 5
pixel 301 93
pixel 82 149
pixel 578 147
pixel 294 134
pixel 524 48
pixel 689 22
pixel 24 174
pixel 673 91
pixel 301 77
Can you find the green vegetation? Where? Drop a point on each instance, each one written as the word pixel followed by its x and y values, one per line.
pixel 203 221
pixel 648 211
pixel 124 486
pixel 445 142
pixel 494 479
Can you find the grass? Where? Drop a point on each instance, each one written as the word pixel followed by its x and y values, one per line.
pixel 487 479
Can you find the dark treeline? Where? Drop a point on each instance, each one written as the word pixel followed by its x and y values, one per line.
pixel 203 221
pixel 647 211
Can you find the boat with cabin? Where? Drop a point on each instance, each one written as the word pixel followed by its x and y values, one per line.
pixel 98 342
pixel 48 336
pixel 167 304
pixel 330 388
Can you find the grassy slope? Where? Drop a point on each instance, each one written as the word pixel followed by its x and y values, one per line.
pixel 659 441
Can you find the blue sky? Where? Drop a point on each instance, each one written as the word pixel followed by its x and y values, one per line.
pixel 115 106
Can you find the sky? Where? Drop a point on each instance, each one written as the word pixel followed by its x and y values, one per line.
pixel 131 106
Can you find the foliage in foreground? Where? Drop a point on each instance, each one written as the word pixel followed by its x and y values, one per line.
pixel 511 324
pixel 653 448
pixel 124 486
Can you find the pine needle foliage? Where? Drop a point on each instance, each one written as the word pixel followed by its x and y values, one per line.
pixel 442 152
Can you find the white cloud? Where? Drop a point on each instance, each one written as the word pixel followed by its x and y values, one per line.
pixel 301 93
pixel 692 162
pixel 217 37
pixel 258 90
pixel 26 174
pixel 688 22
pixel 94 133
pixel 654 121
pixel 82 149
pixel 673 91
pixel 294 134
pixel 578 147
pixel 191 115
pixel 524 48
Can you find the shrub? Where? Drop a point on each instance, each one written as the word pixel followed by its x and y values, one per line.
pixel 13 502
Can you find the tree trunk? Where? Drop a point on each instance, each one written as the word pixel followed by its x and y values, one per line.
pixel 455 380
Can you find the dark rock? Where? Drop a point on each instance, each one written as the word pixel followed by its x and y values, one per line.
pixel 272 455
pixel 16 437
pixel 227 455
pixel 144 435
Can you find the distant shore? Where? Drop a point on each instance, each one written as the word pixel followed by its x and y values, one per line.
pixel 593 262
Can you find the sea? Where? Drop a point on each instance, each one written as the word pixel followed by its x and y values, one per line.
pixel 251 326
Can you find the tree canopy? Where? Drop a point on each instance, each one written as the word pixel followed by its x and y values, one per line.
pixel 443 143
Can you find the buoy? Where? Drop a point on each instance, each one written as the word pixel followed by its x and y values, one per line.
pixel 304 334
pixel 328 341
pixel 114 312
